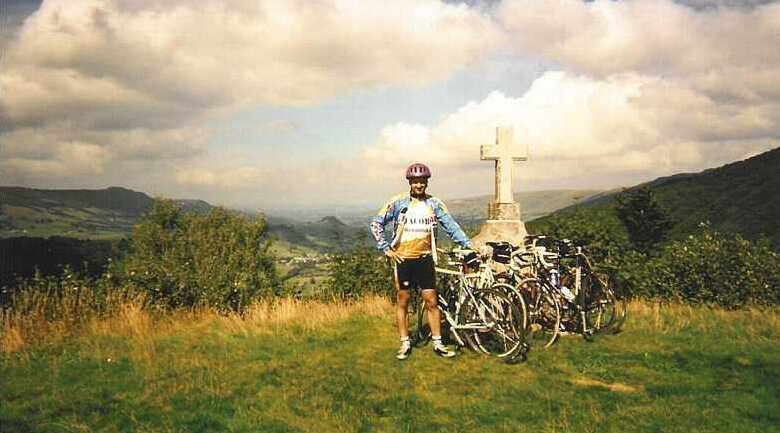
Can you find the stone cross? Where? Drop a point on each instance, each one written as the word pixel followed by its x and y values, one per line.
pixel 504 153
pixel 504 223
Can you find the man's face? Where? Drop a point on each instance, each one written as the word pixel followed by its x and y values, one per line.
pixel 418 185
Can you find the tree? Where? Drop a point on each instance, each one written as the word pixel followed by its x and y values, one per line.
pixel 183 259
pixel 358 271
pixel 646 221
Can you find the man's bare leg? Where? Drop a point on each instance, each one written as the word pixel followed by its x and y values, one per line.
pixel 401 309
pixel 434 315
pixel 434 320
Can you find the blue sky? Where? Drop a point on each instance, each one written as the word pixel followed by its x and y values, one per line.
pixel 299 104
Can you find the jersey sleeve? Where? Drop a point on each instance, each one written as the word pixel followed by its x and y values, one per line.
pixel 449 225
pixel 377 223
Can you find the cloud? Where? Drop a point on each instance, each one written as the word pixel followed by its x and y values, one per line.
pixel 582 130
pixel 137 77
pixel 655 37
pixel 183 59
pixel 68 159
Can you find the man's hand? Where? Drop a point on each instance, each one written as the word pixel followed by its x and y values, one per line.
pixel 394 256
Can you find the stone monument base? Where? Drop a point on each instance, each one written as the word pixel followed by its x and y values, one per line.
pixel 503 211
pixel 512 231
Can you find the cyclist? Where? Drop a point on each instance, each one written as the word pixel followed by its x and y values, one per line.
pixel 412 251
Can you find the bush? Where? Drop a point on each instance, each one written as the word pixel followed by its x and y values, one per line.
pixel 710 268
pixel 183 259
pixel 358 271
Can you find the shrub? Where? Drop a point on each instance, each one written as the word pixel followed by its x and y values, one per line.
pixel 358 271
pixel 604 236
pixel 711 268
pixel 707 267
pixel 183 259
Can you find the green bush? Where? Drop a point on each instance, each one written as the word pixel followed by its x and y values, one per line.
pixel 183 259
pixel 709 268
pixel 358 271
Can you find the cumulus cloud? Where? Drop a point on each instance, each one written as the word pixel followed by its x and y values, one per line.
pixel 641 89
pixel 582 129
pixel 730 51
pixel 145 73
pixel 635 88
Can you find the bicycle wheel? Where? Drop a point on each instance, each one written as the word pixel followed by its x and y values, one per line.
pixel 544 313
pixel 498 325
pixel 419 329
pixel 603 312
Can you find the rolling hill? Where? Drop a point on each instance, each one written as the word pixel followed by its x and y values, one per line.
pixel 82 213
pixel 741 197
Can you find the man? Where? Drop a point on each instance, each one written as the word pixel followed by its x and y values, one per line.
pixel 415 216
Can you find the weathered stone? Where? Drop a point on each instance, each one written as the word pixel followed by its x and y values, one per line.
pixel 503 211
pixel 512 231
pixel 504 222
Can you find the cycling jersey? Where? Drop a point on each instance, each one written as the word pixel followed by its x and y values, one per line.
pixel 415 221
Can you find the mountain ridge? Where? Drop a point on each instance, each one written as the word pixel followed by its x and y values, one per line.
pixel 741 197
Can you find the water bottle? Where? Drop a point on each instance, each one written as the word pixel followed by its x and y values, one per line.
pixel 555 279
pixel 567 294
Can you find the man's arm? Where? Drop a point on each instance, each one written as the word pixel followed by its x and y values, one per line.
pixel 449 225
pixel 377 223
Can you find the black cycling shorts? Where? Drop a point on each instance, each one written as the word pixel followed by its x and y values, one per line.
pixel 419 273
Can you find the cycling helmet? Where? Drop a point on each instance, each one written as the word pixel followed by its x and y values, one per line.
pixel 418 170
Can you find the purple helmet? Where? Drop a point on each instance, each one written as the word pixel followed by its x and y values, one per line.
pixel 418 170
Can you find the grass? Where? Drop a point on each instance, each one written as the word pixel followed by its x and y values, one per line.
pixel 289 366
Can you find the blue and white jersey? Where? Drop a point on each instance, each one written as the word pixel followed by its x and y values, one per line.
pixel 414 222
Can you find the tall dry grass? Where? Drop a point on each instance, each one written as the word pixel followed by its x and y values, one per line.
pixel 35 319
pixel 668 318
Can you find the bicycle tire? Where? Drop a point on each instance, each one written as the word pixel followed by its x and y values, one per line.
pixel 422 333
pixel 602 310
pixel 506 333
pixel 544 313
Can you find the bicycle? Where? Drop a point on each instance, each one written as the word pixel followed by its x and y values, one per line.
pixel 475 310
pixel 588 304
pixel 542 305
pixel 601 311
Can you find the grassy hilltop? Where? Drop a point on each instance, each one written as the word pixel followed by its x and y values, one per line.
pixel 291 366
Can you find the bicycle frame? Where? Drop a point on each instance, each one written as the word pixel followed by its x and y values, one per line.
pixel 466 285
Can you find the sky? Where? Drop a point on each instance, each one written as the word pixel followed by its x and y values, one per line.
pixel 295 104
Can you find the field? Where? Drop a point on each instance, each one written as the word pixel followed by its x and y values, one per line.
pixel 291 366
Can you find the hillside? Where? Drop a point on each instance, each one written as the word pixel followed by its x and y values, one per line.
pixel 742 197
pixel 82 213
